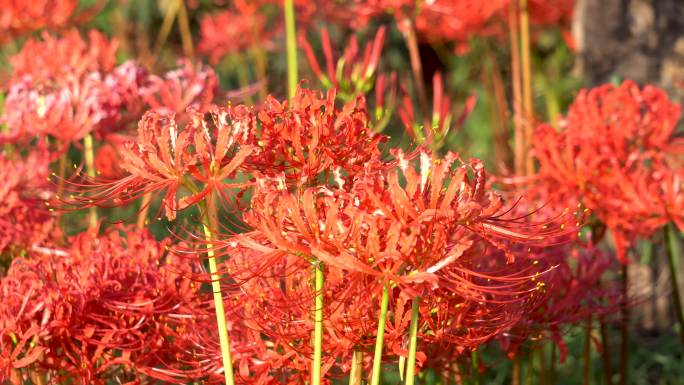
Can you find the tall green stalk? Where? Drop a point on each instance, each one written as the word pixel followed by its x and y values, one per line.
pixel 318 324
pixel 676 298
pixel 413 342
pixel 515 371
pixel 475 374
pixel 356 372
pixel 89 154
pixel 380 336
pixel 224 339
pixel 291 45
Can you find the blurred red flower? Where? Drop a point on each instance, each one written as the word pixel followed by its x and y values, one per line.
pixel 616 152
pixel 104 305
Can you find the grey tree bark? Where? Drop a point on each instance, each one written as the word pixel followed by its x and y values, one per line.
pixel 641 40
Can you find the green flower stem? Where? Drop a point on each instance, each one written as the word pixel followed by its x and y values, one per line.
pixel 167 24
pixel 318 323
pixel 89 154
pixel 291 45
pixel 208 213
pixel 355 374
pixel 184 26
pixel 380 336
pixel 243 76
pixel 413 342
pixel 543 372
pixel 676 298
pixel 476 370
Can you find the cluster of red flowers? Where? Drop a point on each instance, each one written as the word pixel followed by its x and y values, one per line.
pixel 19 17
pixel 323 194
pixel 243 25
pixel 25 222
pixel 232 31
pixel 68 87
pixel 458 21
pixel 413 253
pixel 106 307
pixel 617 153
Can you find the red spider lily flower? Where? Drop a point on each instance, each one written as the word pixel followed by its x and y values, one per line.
pixel 233 31
pixel 614 152
pixel 441 115
pixel 188 86
pixel 128 83
pixel 310 135
pixel 18 17
pixel 673 197
pixel 385 100
pixel 134 90
pixel 108 162
pixel 273 295
pixel 439 20
pixel 52 58
pixel 440 232
pixel 456 22
pixel 59 89
pixel 352 74
pixel 25 222
pixel 347 228
pixel 103 307
pixel 302 141
pixel 69 112
pixel 169 158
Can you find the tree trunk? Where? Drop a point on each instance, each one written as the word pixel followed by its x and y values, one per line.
pixel 642 40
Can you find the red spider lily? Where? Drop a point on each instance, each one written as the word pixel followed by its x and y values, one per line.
pixel 573 292
pixel 19 17
pixel 52 58
pixel 352 74
pixel 105 305
pixel 385 100
pixel 108 162
pixel 128 83
pixel 82 92
pixel 440 20
pixel 59 88
pixel 441 115
pixel 69 112
pixel 376 227
pixel 301 141
pixel 309 135
pixel 613 152
pixel 254 24
pixel 232 31
pixel 25 222
pixel 440 233
pixel 170 159
pixel 134 90
pixel 460 20
pixel 456 21
pixel 257 361
pixel 273 294
pixel 188 86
